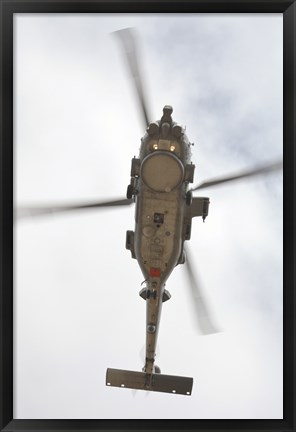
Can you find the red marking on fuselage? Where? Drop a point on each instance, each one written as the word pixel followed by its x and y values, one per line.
pixel 155 271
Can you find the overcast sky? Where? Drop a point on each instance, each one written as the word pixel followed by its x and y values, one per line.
pixel 77 126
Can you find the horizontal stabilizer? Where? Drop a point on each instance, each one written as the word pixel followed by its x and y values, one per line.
pixel 150 382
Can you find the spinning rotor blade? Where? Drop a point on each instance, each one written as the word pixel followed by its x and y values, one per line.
pixel 205 323
pixel 23 212
pixel 128 41
pixel 243 174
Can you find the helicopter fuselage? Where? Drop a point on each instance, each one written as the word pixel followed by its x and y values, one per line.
pixel 159 185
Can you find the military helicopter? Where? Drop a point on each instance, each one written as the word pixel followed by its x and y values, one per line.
pixel 160 187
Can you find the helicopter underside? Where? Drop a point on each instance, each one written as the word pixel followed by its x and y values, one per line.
pixel 158 233
pixel 158 245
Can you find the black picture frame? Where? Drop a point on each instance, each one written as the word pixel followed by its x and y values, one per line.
pixel 7 9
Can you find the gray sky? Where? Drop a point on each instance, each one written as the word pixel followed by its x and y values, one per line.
pixel 77 126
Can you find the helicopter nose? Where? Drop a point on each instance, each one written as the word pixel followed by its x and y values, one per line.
pixel 167 110
pixel 167 114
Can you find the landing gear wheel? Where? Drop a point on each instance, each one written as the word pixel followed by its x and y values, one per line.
pixel 130 191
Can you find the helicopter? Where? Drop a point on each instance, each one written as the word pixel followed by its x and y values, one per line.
pixel 164 208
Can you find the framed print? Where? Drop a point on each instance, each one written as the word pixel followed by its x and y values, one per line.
pixel 93 94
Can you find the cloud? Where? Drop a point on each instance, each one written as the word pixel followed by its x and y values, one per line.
pixel 77 127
